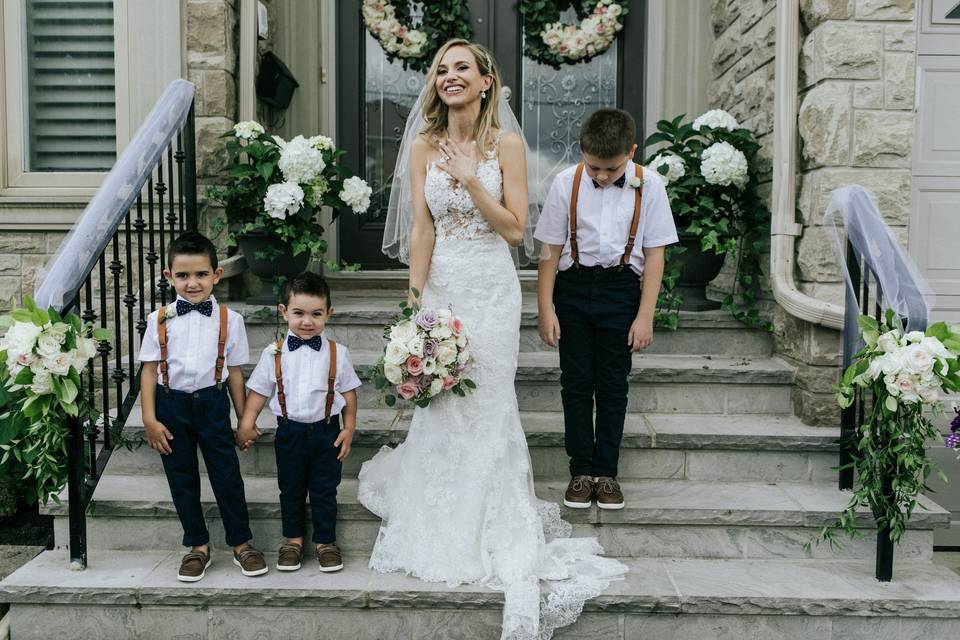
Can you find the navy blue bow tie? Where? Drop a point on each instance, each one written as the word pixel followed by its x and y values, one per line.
pixel 205 307
pixel 619 182
pixel 294 342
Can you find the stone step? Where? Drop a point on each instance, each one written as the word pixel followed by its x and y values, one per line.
pixel 679 518
pixel 136 595
pixel 658 384
pixel 723 448
pixel 358 322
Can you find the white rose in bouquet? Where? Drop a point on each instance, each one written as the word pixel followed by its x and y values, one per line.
pixel 415 346
pixel 47 346
pixel 300 161
pixel 723 164
pixel 396 353
pixel 935 348
pixel 913 336
pixel 716 119
pixel 356 194
pixel 891 363
pixel 436 386
pixel 889 342
pixel 675 167
pixel 283 199
pixel 21 337
pixel 393 373
pixel 917 360
pixel 59 365
pixel 446 354
pixel 403 331
pixel 441 332
pixel 464 356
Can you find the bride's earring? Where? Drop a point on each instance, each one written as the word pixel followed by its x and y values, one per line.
pixel 483 95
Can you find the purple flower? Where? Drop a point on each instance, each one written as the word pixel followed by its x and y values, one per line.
pixel 430 348
pixel 427 319
pixel 952 440
pixel 955 424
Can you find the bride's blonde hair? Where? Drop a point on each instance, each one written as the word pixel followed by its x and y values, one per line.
pixel 435 111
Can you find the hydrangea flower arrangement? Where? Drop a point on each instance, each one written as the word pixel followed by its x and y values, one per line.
pixel 279 186
pixel 709 167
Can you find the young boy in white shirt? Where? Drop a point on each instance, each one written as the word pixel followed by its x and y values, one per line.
pixel 604 226
pixel 311 385
pixel 198 346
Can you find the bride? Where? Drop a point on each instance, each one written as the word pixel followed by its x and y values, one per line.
pixel 457 498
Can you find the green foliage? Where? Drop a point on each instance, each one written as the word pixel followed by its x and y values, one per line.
pixel 728 220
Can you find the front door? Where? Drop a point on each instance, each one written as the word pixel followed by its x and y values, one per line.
pixel 374 97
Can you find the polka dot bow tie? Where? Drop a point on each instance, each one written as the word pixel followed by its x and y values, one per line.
pixel 619 182
pixel 205 307
pixel 294 343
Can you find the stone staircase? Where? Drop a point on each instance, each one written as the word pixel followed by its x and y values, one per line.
pixel 723 484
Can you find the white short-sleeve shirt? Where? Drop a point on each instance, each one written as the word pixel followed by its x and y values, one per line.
pixel 304 380
pixel 192 341
pixel 603 219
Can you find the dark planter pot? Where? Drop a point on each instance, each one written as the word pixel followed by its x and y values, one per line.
pixel 269 269
pixel 699 269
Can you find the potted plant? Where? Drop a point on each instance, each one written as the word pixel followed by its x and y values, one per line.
pixel 274 194
pixel 709 166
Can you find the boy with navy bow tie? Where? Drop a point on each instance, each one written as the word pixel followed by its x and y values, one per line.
pixel 311 385
pixel 198 346
pixel 604 225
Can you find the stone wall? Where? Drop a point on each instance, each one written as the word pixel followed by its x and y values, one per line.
pixel 855 126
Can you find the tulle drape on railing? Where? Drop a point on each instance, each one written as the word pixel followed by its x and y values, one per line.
pixel 80 250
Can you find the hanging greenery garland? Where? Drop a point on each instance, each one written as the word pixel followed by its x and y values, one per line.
pixel 554 43
pixel 390 24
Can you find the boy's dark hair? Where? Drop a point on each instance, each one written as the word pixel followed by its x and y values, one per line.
pixel 192 243
pixel 307 283
pixel 607 133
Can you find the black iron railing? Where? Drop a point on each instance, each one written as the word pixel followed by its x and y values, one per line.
pixel 117 292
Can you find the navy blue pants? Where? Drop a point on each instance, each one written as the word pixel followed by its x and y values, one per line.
pixel 595 308
pixel 203 418
pixel 307 463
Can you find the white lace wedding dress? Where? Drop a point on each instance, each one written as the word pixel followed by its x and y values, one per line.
pixel 456 498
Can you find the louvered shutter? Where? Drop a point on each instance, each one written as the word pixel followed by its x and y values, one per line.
pixel 71 108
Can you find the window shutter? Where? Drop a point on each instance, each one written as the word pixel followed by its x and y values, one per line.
pixel 71 102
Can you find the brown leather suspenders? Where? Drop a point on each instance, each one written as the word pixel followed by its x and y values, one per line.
pixel 162 339
pixel 634 224
pixel 331 378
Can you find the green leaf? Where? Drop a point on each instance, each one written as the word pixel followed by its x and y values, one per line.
pixel 867 323
pixel 21 315
pixel 25 377
pixel 390 400
pixel 102 334
pixel 69 391
pixel 938 330
pixel 890 403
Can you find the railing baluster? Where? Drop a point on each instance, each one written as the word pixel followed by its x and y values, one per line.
pixel 76 478
pixel 161 188
pixel 151 252
pixel 180 155
pixel 172 218
pixel 89 315
pixel 119 375
pixel 140 225
pixel 190 177
pixel 104 349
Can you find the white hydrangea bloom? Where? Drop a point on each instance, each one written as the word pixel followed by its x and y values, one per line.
pixel 300 161
pixel 321 143
pixel 356 194
pixel 283 199
pixel 716 119
pixel 724 164
pixel 21 337
pixel 675 167
pixel 247 130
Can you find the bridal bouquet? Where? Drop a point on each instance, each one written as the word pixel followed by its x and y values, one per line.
pixel 427 354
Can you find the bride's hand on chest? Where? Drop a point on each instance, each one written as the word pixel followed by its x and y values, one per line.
pixel 459 161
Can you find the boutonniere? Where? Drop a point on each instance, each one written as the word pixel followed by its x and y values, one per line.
pixel 170 312
pixel 635 181
pixel 278 347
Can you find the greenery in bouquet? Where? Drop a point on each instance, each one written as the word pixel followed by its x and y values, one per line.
pixel 709 166
pixel 898 377
pixel 279 187
pixel 42 356
pixel 427 354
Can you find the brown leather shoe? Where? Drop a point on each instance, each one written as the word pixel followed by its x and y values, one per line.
pixel 330 557
pixel 250 561
pixel 193 566
pixel 579 494
pixel 289 556
pixel 608 493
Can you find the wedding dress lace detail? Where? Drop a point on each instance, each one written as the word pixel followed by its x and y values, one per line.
pixel 457 497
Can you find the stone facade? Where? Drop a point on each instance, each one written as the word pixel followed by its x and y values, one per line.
pixel 856 126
